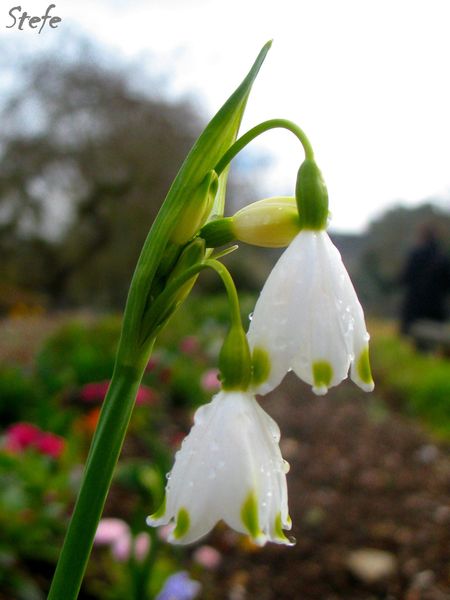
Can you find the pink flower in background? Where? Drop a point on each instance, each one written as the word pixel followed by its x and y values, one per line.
pixel 50 444
pixel 116 534
pixel 210 380
pixel 96 392
pixel 141 546
pixel 21 436
pixel 145 395
pixel 189 344
pixel 152 364
pixel 121 548
pixel 207 557
pixel 109 530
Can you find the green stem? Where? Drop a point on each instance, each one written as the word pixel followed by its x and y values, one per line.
pixel 233 299
pixel 258 130
pixel 102 459
pixel 163 303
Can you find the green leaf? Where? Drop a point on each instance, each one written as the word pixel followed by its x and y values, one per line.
pixel 218 136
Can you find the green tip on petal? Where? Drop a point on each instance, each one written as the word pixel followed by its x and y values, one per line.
pixel 182 526
pixel 279 533
pixel 363 367
pixel 322 375
pixel 260 365
pixel 159 513
pixel 249 516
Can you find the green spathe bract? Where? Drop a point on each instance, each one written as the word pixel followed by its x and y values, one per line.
pixel 136 341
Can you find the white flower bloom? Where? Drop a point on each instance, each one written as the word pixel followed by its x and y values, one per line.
pixel 229 467
pixel 309 319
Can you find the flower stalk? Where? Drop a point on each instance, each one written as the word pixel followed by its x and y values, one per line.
pixel 192 191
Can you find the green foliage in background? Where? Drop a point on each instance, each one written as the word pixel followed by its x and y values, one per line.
pixel 419 383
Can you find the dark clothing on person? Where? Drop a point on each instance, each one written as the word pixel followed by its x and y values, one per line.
pixel 427 279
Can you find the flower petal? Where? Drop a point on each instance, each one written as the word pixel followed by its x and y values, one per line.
pixel 308 318
pixel 229 467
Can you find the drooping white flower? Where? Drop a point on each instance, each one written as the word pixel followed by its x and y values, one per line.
pixel 229 468
pixel 308 319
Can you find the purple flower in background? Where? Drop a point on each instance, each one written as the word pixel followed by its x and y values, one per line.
pixel 179 587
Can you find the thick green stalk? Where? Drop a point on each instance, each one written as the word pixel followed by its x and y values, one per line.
pixel 136 340
pixel 102 459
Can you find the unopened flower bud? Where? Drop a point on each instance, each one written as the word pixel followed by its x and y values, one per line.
pixel 197 209
pixel 272 222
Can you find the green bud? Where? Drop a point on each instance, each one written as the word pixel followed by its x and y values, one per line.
pixel 312 197
pixel 160 311
pixel 271 223
pixel 191 255
pixel 196 210
pixel 235 360
pixel 218 232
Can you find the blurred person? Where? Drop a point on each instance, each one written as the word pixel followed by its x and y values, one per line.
pixel 426 278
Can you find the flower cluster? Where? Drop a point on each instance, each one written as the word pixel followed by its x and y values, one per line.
pixel 307 319
pixel 23 436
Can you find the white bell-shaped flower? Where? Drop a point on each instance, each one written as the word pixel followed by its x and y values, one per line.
pixel 229 467
pixel 308 319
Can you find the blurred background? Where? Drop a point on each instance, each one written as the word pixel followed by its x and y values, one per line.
pixel 97 116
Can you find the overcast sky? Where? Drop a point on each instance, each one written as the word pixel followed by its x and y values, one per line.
pixel 367 80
